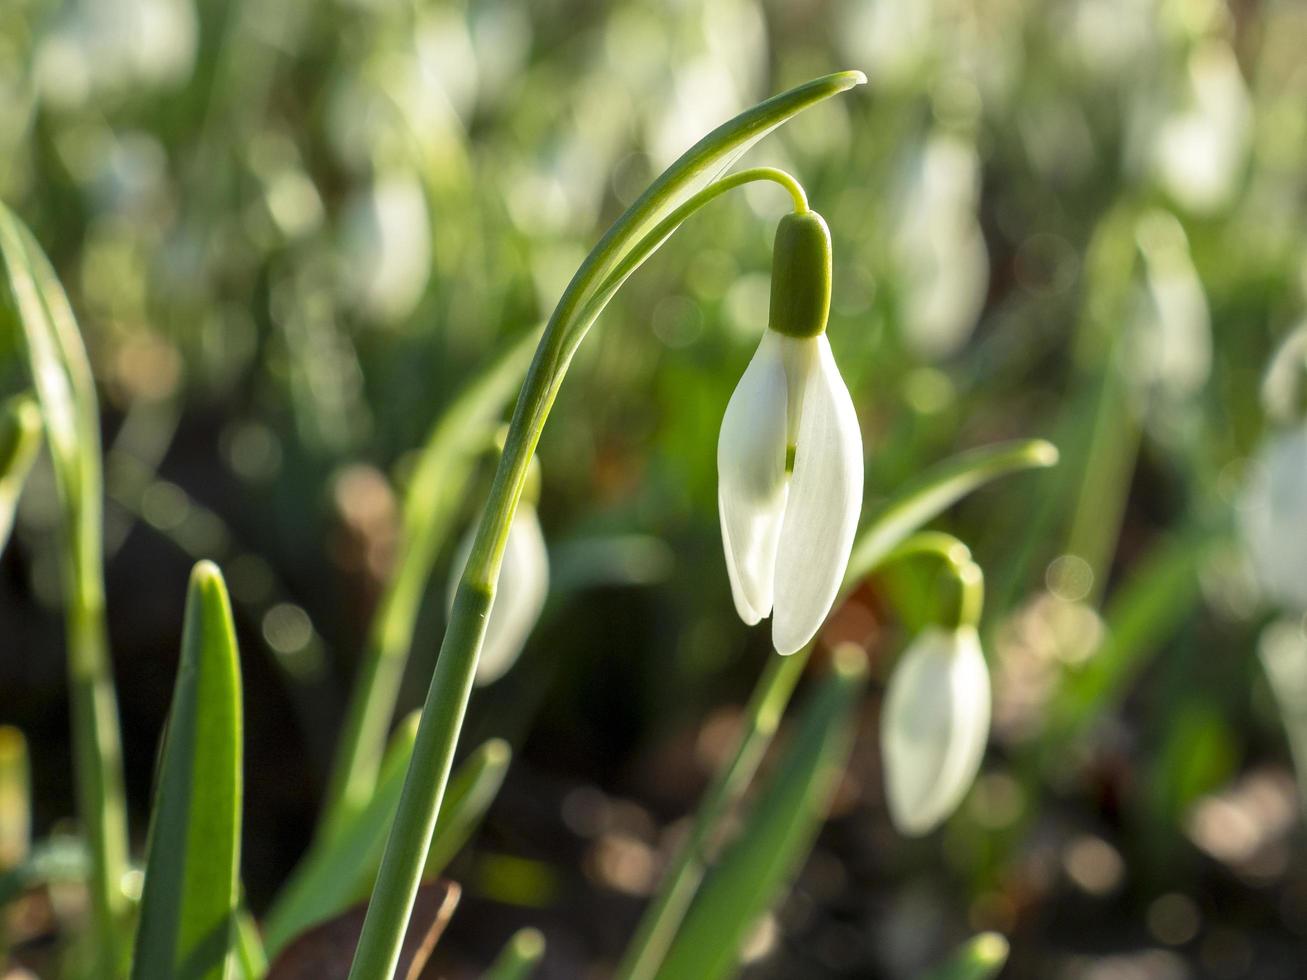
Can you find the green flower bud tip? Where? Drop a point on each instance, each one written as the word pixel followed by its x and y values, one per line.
pixel 801 276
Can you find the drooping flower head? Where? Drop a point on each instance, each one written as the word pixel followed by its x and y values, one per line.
pixel 789 458
pixel 934 726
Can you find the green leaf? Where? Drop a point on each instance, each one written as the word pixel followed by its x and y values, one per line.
pixel 471 791
pixel 15 798
pixel 340 867
pixel 191 888
pixel 31 297
pixel 435 491
pixel 519 957
pixel 777 834
pixel 251 958
pixel 1157 597
pixel 980 958
pixel 20 438
pixel 939 488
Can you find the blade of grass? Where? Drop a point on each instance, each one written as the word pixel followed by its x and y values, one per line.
pixel 471 791
pixel 191 889
pixel 65 391
pixel 431 502
pixel 939 488
pixel 980 958
pixel 20 438
pixel 15 798
pixel 777 834
pixel 251 958
pixel 339 867
pixel 519 957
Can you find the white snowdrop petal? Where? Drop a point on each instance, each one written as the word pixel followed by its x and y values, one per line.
pixel 751 480
pixel 934 727
pixel 519 597
pixel 821 515
pixel 1273 517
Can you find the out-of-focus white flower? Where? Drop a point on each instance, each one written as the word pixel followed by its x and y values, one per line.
pixel 1284 390
pixel 934 727
pixel 938 247
pixel 387 246
pixel 789 458
pixel 519 597
pixel 1170 346
pixel 1200 150
pixel 1273 517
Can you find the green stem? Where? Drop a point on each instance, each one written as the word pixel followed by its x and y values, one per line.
pixel 667 911
pixel 956 558
pixel 97 760
pixel 680 883
pixel 451 683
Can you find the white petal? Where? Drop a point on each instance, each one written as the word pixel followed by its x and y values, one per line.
pixel 821 515
pixel 751 486
pixel 519 595
pixel 934 726
pixel 1273 517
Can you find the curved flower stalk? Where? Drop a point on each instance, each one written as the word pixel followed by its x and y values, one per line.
pixel 690 183
pixel 935 720
pixel 789 458
pixel 522 591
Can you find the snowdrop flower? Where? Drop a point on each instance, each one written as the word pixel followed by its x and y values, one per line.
pixel 789 458
pixel 523 586
pixel 934 726
pixel 1273 508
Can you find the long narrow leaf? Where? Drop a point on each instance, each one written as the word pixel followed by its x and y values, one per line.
pixel 939 488
pixel 519 957
pixel 339 867
pixel 471 791
pixel 191 889
pixel 777 834
pixel 431 502
pixel 20 437
pixel 980 958
pixel 31 297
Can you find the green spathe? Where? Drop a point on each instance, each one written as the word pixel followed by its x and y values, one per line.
pixel 801 275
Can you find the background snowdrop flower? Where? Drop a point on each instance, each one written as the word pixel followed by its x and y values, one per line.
pixel 520 596
pixel 1273 508
pixel 934 727
pixel 789 458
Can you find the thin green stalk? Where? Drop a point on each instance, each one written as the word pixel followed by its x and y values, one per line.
pixel 640 230
pixel 884 539
pixel 683 876
pixel 65 390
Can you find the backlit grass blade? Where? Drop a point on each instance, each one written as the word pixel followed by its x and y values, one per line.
pixel 15 798
pixel 777 833
pixel 431 502
pixel 191 890
pixel 471 791
pixel 337 869
pixel 519 957
pixel 31 298
pixel 251 958
pixel 20 438
pixel 980 958
pixel 938 489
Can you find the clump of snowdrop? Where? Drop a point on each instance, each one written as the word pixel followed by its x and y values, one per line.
pixel 523 585
pixel 1273 510
pixel 934 726
pixel 789 458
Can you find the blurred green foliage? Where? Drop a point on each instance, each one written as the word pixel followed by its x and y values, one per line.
pixel 292 230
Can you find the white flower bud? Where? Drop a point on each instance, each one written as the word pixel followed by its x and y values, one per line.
pixel 1273 517
pixel 934 726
